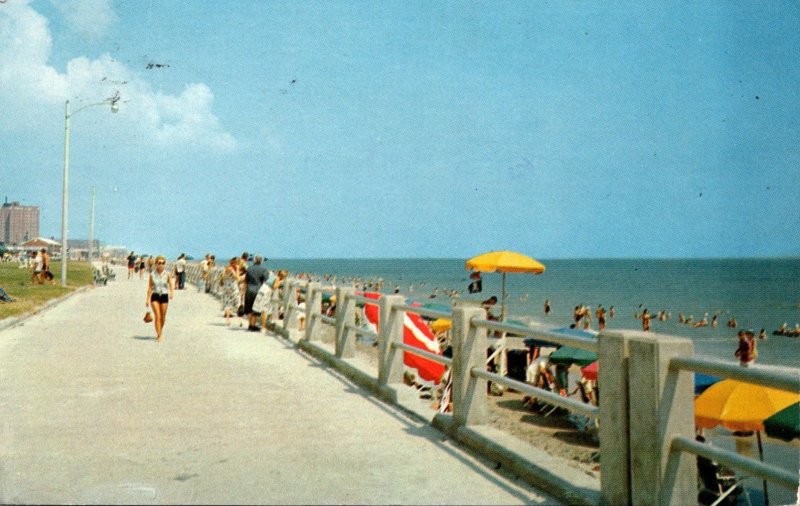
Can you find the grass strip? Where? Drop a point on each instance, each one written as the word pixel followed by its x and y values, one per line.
pixel 29 297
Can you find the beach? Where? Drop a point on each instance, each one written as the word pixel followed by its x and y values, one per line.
pixel 757 292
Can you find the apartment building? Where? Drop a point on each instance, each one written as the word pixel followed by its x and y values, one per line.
pixel 18 223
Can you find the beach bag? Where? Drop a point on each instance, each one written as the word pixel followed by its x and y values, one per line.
pixel 262 298
pixel 148 317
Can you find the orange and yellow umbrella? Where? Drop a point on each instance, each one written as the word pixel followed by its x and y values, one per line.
pixel 739 406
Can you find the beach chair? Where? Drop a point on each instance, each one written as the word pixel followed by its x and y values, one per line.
pixel 5 297
pixel 99 277
pixel 718 485
pixel 108 273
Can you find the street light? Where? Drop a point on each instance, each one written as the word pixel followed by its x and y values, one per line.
pixel 91 230
pixel 67 116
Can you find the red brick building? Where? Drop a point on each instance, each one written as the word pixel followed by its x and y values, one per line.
pixel 18 223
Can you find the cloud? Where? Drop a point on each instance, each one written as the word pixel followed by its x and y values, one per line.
pixel 188 117
pixel 89 18
pixel 25 46
pixel 32 88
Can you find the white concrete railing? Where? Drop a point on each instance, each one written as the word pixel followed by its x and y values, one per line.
pixel 468 365
pixel 653 435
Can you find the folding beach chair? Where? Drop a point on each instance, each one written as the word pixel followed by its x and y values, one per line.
pixel 5 297
pixel 718 486
pixel 99 277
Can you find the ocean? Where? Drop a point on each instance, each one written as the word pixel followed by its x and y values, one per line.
pixel 758 293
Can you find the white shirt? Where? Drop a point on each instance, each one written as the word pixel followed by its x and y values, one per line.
pixel 160 282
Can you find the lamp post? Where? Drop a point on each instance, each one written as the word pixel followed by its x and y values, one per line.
pixel 65 196
pixel 91 230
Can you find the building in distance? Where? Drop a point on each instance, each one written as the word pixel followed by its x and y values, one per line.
pixel 18 223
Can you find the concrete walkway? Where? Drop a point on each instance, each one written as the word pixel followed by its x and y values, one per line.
pixel 94 410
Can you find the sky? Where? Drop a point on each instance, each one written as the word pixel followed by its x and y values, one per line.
pixel 408 128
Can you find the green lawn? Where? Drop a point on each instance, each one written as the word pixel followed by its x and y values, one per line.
pixel 27 296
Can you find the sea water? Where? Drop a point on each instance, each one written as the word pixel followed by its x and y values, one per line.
pixel 758 293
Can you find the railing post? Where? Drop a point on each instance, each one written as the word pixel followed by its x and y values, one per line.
pixel 615 480
pixel 313 310
pixel 345 315
pixel 661 408
pixel 390 359
pixel 470 406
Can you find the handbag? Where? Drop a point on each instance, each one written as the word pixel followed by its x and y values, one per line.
pixel 148 317
pixel 240 311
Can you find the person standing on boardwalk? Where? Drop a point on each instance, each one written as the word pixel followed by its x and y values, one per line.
pixel 203 273
pixel 231 297
pixel 160 289
pixel 131 264
pixel 255 276
pixel 212 276
pixel 180 271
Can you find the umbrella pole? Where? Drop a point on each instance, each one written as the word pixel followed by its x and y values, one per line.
pixel 761 456
pixel 503 306
pixel 503 354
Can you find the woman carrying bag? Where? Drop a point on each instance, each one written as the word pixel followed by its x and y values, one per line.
pixel 160 288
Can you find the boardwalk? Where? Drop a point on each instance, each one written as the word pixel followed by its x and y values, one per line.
pixel 94 410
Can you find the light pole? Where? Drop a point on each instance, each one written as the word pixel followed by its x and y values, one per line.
pixel 65 197
pixel 91 230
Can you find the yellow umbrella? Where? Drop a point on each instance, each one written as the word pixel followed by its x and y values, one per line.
pixel 741 406
pixel 441 324
pixel 505 261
